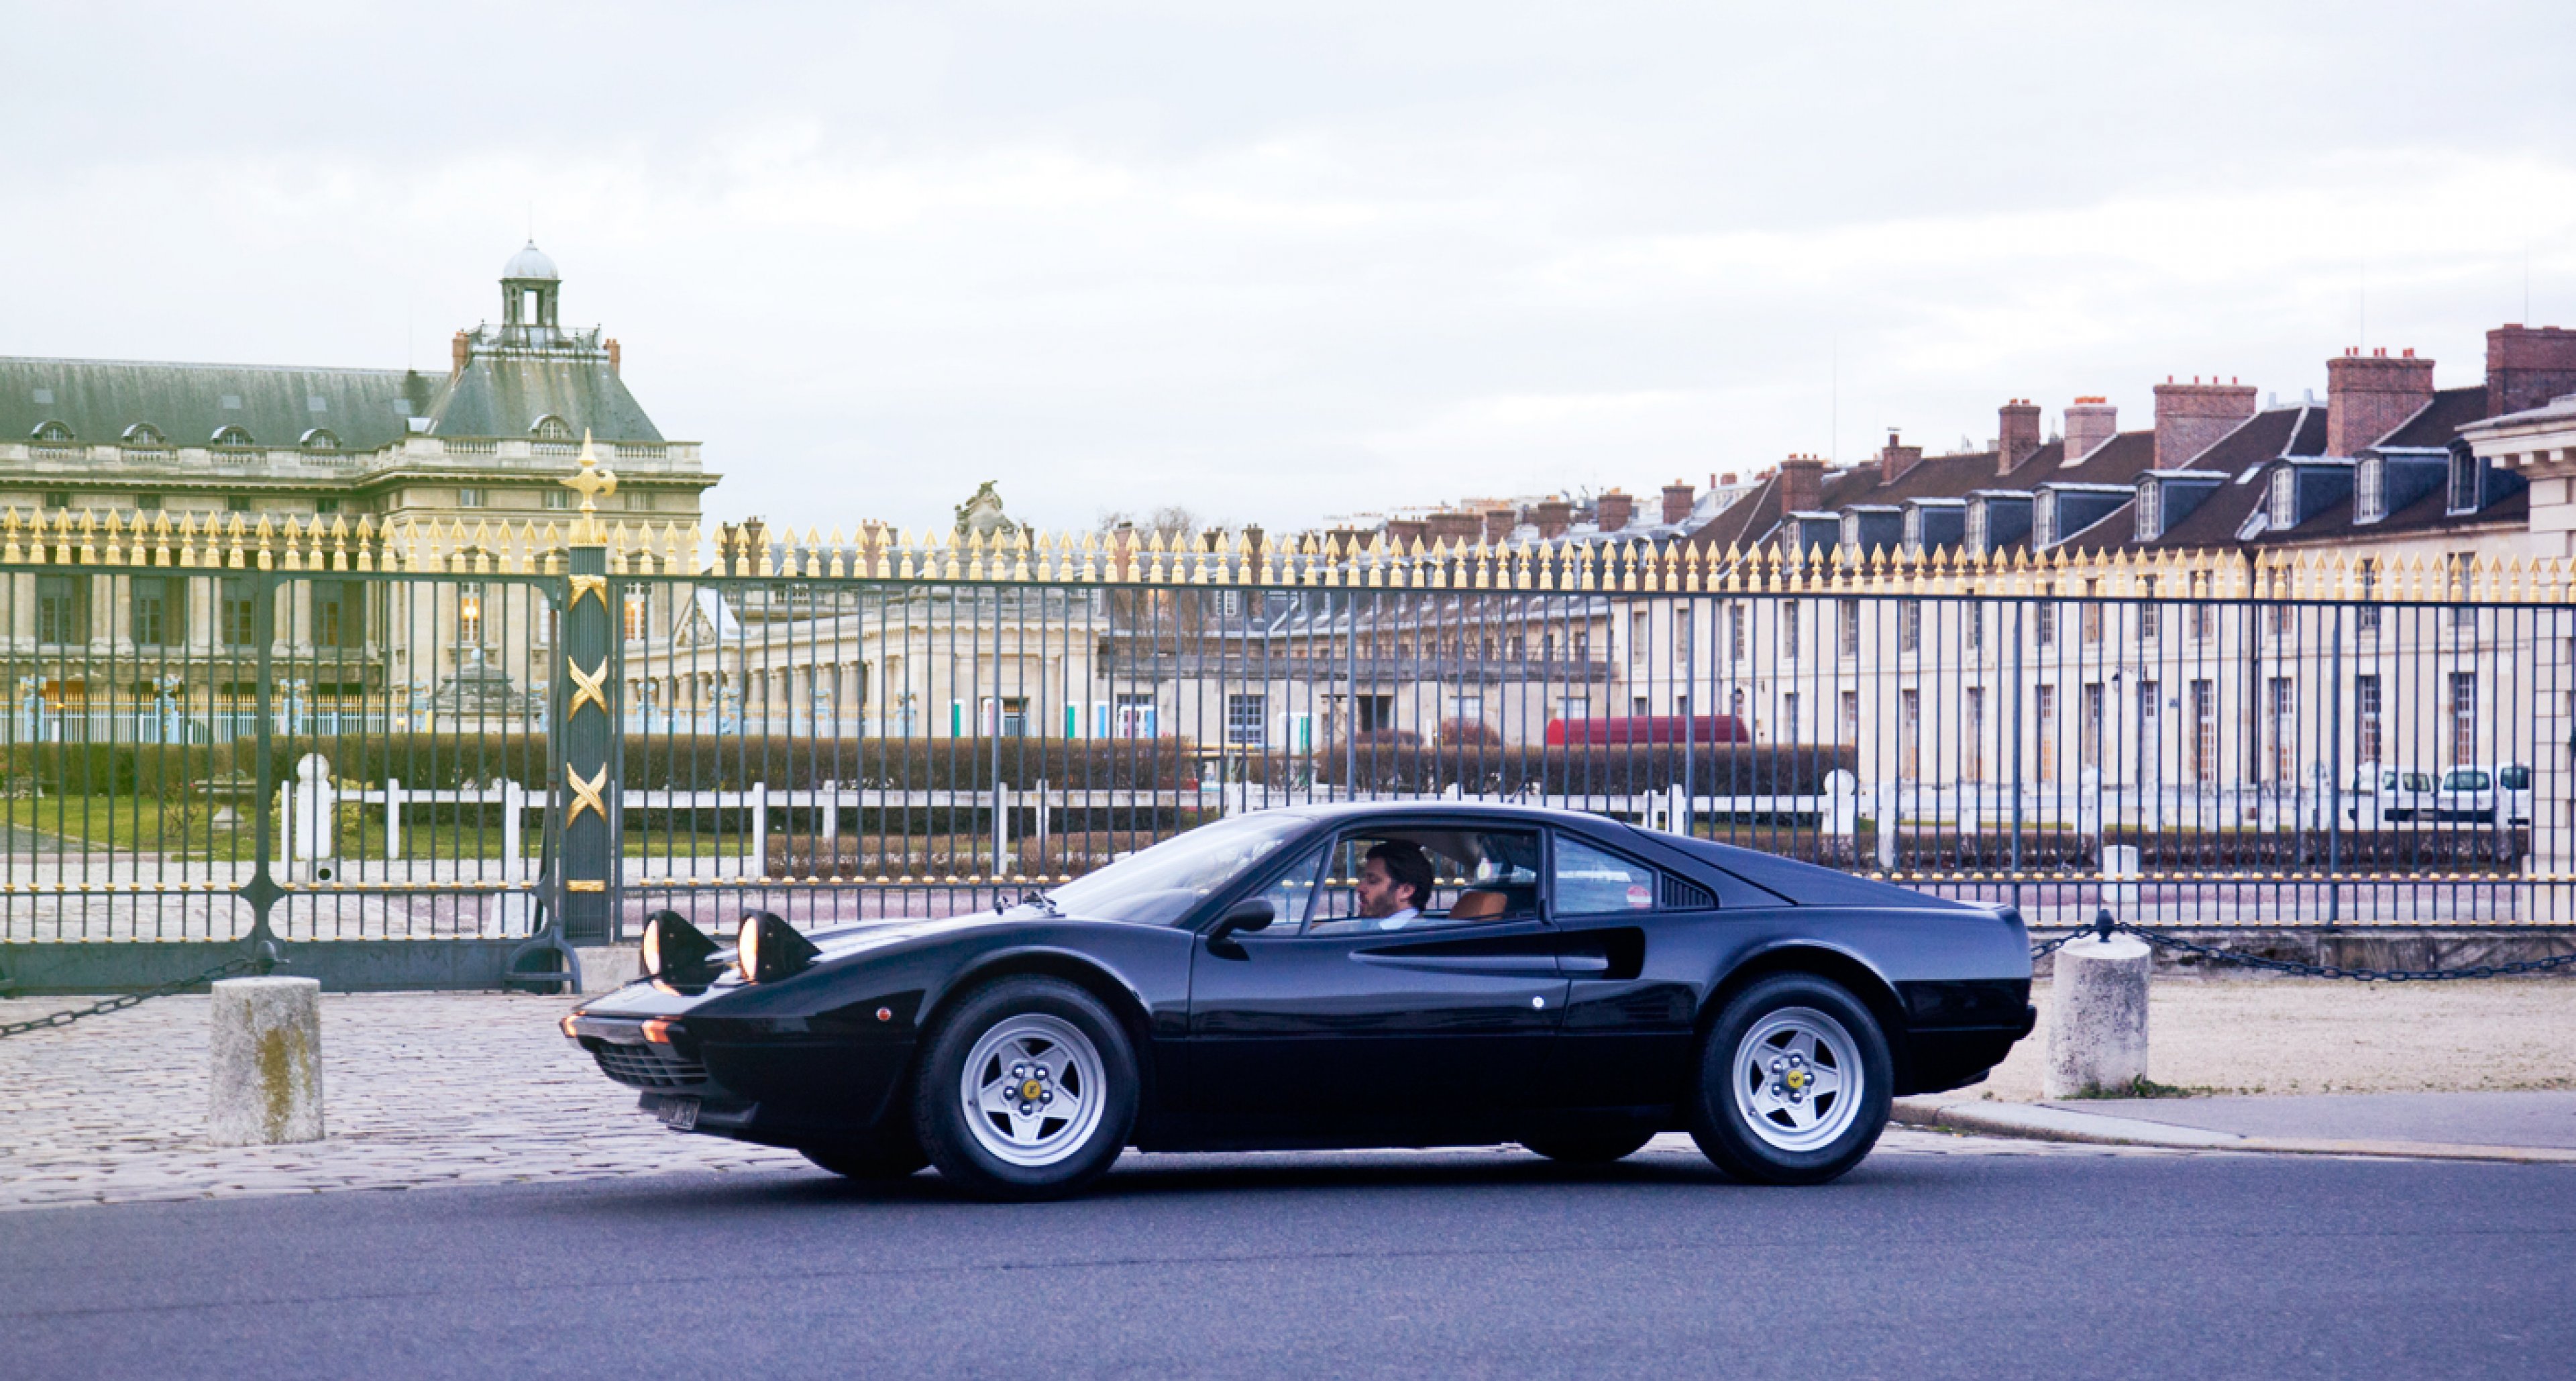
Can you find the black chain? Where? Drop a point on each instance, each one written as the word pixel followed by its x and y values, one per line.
pixel 2104 927
pixel 124 1000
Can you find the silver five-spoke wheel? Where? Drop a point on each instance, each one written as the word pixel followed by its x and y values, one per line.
pixel 1032 1089
pixel 1798 1077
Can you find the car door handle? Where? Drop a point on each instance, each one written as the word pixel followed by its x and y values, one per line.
pixel 1465 963
pixel 1581 964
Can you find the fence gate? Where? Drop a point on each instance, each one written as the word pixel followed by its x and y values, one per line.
pixel 382 756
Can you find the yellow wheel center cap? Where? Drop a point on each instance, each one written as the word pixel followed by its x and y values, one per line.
pixel 1797 1078
pixel 1029 1091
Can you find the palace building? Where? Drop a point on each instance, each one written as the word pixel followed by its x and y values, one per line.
pixel 486 440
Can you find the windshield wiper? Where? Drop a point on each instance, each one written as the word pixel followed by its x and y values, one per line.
pixel 1040 900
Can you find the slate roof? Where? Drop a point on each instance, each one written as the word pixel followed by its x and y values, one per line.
pixel 99 399
pixel 2438 423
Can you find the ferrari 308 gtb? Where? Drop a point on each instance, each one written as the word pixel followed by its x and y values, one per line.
pixel 1438 973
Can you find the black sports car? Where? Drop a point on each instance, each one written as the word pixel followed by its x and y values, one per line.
pixel 1398 975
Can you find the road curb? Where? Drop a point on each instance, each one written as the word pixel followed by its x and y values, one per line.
pixel 2036 1122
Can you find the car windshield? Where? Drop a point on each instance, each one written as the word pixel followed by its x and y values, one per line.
pixel 1160 885
pixel 2465 779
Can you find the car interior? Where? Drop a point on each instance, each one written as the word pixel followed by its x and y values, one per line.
pixel 1480 876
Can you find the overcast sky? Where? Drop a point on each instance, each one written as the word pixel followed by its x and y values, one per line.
pixel 1282 261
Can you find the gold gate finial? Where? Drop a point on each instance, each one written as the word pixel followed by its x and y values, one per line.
pixel 590 481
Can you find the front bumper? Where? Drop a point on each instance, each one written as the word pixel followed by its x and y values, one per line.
pixel 746 1082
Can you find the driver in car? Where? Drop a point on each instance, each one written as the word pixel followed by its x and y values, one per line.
pixel 1395 879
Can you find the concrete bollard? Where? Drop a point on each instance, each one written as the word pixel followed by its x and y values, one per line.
pixel 2097 1028
pixel 267 1062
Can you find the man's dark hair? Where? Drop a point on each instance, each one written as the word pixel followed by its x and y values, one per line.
pixel 1408 865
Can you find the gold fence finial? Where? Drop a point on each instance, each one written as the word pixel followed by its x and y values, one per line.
pixel 590 481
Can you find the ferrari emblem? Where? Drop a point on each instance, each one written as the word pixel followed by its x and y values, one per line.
pixel 1797 1079
pixel 1029 1091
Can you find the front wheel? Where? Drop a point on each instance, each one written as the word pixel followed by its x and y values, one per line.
pixel 1794 1083
pixel 1028 1091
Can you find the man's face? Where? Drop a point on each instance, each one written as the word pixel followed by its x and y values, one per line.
pixel 1380 894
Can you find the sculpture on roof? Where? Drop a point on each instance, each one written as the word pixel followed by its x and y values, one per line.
pixel 982 516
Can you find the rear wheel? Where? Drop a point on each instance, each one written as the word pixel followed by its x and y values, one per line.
pixel 1028 1091
pixel 1598 1146
pixel 1794 1083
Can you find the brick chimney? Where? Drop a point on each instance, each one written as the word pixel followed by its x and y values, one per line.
pixel 458 351
pixel 1456 529
pixel 2368 395
pixel 2189 417
pixel 2090 421
pixel 1616 510
pixel 2527 366
pixel 2016 434
pixel 1802 484
pixel 615 356
pixel 1552 517
pixel 1678 498
pixel 1499 523
pixel 1402 533
pixel 1896 459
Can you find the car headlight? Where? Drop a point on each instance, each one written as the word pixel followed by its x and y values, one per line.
pixel 767 948
pixel 676 950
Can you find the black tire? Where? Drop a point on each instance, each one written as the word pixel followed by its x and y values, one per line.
pixel 1597 1146
pixel 941 1115
pixel 891 1157
pixel 1721 1120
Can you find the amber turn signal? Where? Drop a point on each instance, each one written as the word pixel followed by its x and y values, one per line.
pixel 657 1030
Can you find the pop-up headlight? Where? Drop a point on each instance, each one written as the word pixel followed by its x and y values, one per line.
pixel 676 950
pixel 768 948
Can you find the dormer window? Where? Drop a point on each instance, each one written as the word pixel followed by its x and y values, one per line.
pixel 2043 519
pixel 2151 510
pixel 1914 529
pixel 53 431
pixel 143 434
pixel 1977 527
pixel 2370 490
pixel 233 436
pixel 2285 498
pixel 2467 472
pixel 319 439
pixel 551 428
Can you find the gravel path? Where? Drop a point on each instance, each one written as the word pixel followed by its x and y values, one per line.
pixel 2315 1035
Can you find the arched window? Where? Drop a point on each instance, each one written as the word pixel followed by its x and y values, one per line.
pixel 551 428
pixel 233 436
pixel 53 431
pixel 143 434
pixel 319 439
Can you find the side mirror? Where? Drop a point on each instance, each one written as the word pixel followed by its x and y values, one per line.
pixel 1255 913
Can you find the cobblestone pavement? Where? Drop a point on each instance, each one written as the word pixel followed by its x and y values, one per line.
pixel 420 1090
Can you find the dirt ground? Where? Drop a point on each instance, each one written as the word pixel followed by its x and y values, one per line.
pixel 2305 1035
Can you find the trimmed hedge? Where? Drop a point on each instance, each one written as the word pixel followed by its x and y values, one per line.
pixel 1736 769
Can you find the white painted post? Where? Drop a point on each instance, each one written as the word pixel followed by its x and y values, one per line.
pixel 1676 810
pixel 266 1047
pixel 1045 809
pixel 1003 800
pixel 1842 805
pixel 2097 1028
pixel 759 829
pixel 393 818
pixel 2120 874
pixel 307 809
pixel 514 804
pixel 1887 825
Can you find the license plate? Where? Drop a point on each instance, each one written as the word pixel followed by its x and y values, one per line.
pixel 679 1114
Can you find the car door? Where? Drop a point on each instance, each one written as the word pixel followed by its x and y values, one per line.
pixel 1320 1021
pixel 1627 1035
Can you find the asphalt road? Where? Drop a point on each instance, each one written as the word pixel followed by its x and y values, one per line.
pixel 1482 1264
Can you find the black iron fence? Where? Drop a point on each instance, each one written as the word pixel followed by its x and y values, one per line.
pixel 494 741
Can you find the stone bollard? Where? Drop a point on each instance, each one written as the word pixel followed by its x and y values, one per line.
pixel 267 1062
pixel 2097 1028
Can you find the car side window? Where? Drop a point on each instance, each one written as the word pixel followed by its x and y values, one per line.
pixel 1477 877
pixel 1293 894
pixel 1595 882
